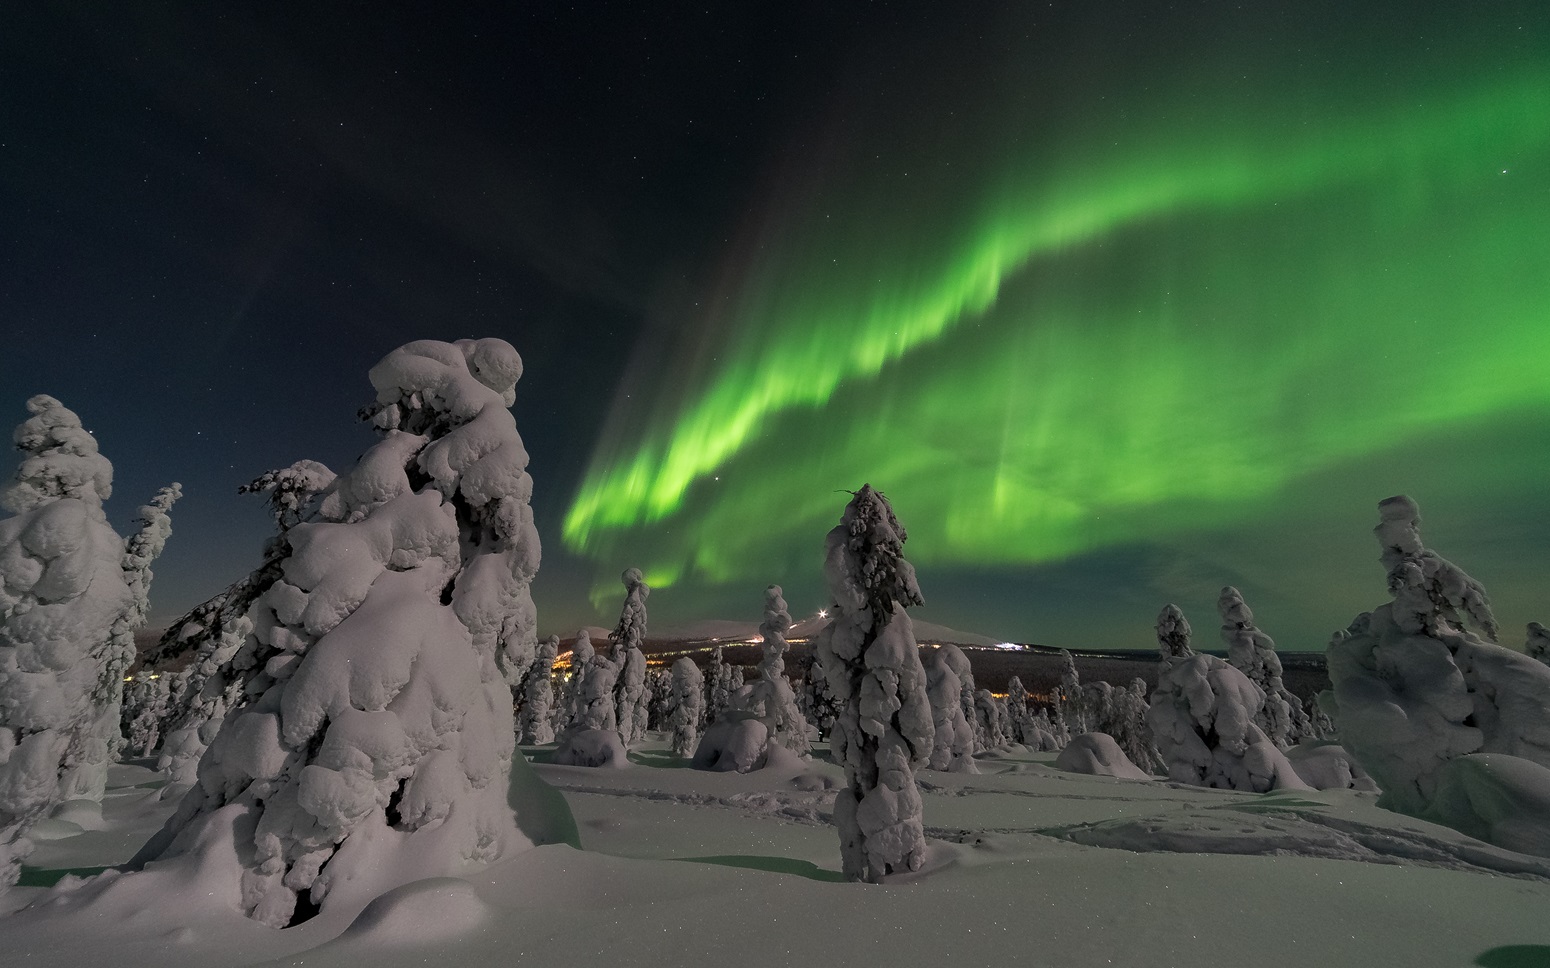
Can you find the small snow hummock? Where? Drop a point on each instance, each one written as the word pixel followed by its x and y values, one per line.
pixel 1452 727
pixel 1202 719
pixel 383 725
pixel 72 593
pixel 884 731
pixel 1097 754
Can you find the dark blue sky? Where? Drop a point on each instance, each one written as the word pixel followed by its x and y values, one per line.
pixel 214 218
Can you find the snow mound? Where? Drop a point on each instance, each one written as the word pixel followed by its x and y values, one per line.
pixel 432 909
pixel 591 747
pixel 1327 766
pixel 1096 754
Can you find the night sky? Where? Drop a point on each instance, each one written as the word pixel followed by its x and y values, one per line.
pixel 1117 302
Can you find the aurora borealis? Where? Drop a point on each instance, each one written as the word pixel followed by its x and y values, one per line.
pixel 1048 331
pixel 1118 303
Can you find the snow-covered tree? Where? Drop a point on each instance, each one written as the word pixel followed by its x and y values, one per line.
pixel 1127 724
pixel 1069 706
pixel 992 719
pixel 868 652
pixel 592 736
pixel 145 705
pixel 1202 719
pixel 1253 653
pixel 1416 693
pixel 772 697
pixel 718 685
pixel 952 744
pixel 819 707
pixel 687 706
pixel 1017 709
pixel 659 693
pixel 538 695
pixel 630 692
pixel 383 728
pixel 71 596
pixel 1538 644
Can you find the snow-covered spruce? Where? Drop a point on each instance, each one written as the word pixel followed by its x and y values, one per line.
pixel 868 652
pixel 952 745
pixel 1452 727
pixel 1253 653
pixel 687 706
pixel 817 703
pixel 89 775
pixel 1202 719
pixel 538 695
pixel 992 719
pixel 71 595
pixel 592 736
pixel 761 725
pixel 1130 730
pixel 659 698
pixel 1071 706
pixel 146 701
pixel 718 686
pixel 383 728
pixel 772 697
pixel 630 691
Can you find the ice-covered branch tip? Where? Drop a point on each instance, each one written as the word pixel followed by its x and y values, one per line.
pixel 1427 587
pixel 291 491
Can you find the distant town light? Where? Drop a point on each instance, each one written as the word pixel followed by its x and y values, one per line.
pixel 823 613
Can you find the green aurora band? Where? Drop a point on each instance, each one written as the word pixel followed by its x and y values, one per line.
pixel 1143 329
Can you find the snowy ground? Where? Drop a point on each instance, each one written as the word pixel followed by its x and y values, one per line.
pixel 1031 866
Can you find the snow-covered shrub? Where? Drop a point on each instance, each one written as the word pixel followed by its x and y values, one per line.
pixel 688 705
pixel 1452 727
pixel 383 727
pixel 952 746
pixel 1202 719
pixel 72 593
pixel 630 692
pixel 1253 653
pixel 868 652
pixel 538 695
